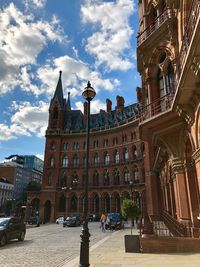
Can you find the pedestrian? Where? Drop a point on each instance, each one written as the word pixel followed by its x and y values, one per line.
pixel 108 223
pixel 37 219
pixel 103 221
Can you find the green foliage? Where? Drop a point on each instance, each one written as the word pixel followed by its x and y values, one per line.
pixel 129 209
pixel 33 186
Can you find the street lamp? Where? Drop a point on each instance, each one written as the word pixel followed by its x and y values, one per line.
pixel 89 93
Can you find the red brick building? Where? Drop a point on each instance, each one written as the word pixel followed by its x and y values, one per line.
pixel 116 155
pixel 169 63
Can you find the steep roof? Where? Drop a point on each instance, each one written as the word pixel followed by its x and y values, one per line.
pixel 58 95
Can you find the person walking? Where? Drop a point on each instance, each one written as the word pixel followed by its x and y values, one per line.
pixel 103 221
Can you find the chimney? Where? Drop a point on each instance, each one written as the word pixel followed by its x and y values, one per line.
pixel 108 105
pixel 120 102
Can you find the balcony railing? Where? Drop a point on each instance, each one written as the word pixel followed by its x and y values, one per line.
pixel 167 14
pixel 189 31
pixel 158 106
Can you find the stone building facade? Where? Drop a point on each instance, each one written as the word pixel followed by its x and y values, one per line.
pixel 168 54
pixel 116 153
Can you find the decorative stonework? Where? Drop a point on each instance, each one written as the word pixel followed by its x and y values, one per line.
pixel 177 166
pixel 195 66
pixel 185 113
pixel 196 155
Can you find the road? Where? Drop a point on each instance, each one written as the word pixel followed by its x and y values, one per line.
pixel 50 245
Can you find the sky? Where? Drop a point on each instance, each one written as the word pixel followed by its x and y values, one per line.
pixel 91 40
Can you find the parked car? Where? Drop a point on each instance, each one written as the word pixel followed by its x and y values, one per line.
pixel 34 220
pixel 11 228
pixel 72 221
pixel 115 221
pixel 95 217
pixel 60 220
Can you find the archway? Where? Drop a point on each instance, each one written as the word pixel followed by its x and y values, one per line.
pixel 47 211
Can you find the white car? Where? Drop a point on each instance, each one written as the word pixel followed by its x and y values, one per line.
pixel 60 220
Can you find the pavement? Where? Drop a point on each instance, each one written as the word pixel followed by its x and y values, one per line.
pixel 110 252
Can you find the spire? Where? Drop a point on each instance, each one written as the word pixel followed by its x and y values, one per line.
pixel 68 107
pixel 59 91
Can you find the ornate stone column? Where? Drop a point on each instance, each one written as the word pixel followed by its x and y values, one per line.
pixel 181 194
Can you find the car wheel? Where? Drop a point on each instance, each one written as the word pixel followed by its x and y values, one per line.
pixel 3 240
pixel 22 236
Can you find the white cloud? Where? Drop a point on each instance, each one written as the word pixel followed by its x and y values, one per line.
pixel 75 75
pixel 40 156
pixel 34 3
pixel 27 120
pixel 96 105
pixel 31 119
pixel 110 43
pixel 21 41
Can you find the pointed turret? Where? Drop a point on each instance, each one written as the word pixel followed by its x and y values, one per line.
pixel 68 106
pixel 58 95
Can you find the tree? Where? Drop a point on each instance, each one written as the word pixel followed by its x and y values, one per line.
pixel 129 210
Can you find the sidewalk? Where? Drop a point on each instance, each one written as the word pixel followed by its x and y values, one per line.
pixel 110 252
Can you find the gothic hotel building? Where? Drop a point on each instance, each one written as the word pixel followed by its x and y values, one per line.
pixel 149 150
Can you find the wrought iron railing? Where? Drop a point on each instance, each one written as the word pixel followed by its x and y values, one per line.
pixel 188 33
pixel 157 107
pixel 164 103
pixel 167 14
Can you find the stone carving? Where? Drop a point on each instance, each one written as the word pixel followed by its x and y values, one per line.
pixel 195 66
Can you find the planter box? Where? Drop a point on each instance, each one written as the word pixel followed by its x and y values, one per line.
pixel 132 243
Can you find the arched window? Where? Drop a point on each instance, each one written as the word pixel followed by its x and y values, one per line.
pixel 51 162
pixel 106 178
pixel 142 148
pixel 65 161
pixel 136 174
pixel 76 160
pixel 96 178
pixel 76 146
pixel 126 176
pixel 53 146
pixel 96 159
pixel 169 79
pixel 116 177
pixel 134 151
pixel 49 180
pixel 63 181
pixel 74 179
pixel 126 156
pixel 106 159
pixel 117 157
pixel 65 146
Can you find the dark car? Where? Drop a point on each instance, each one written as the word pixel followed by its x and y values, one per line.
pixel 95 217
pixel 34 220
pixel 72 221
pixel 115 221
pixel 11 228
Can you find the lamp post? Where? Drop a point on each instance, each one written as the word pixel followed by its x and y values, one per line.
pixel 89 93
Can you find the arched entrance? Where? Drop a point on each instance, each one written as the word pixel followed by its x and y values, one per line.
pixel 47 211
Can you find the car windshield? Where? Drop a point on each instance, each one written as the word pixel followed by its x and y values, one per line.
pixel 114 216
pixel 3 222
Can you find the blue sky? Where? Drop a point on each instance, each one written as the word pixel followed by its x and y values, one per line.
pixel 87 39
